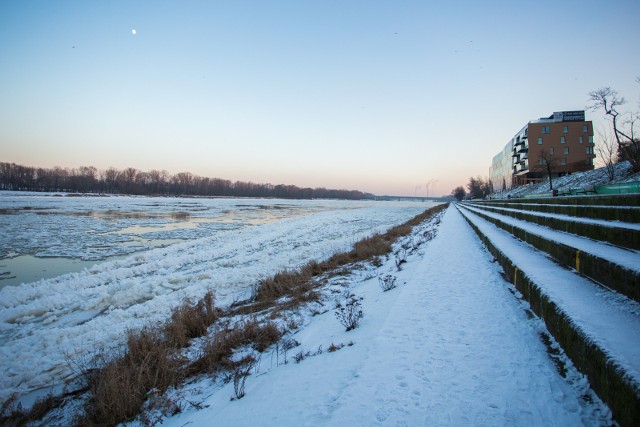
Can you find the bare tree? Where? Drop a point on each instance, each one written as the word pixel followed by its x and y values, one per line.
pixel 609 100
pixel 88 178
pixel 631 121
pixel 458 193
pixel 607 152
pixel 479 188
pixel 549 163
pixel 110 177
pixel 128 179
pixel 158 179
pixel 183 182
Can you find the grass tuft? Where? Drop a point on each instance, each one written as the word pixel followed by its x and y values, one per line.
pixel 295 283
pixel 119 389
pixel 190 321
pixel 217 355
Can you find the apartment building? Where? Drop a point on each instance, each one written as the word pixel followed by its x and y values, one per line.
pixel 562 143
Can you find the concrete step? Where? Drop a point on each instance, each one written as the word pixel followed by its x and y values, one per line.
pixel 629 214
pixel 615 268
pixel 609 200
pixel 598 330
pixel 626 235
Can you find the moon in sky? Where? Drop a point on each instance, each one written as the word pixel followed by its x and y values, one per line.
pixel 133 31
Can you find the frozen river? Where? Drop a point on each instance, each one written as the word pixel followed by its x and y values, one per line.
pixel 129 260
pixel 43 236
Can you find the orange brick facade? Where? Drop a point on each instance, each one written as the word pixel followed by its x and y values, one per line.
pixel 565 140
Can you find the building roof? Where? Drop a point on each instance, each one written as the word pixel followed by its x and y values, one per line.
pixel 562 116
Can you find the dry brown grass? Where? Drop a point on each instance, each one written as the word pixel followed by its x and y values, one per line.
pixel 298 284
pixel 119 389
pixel 219 349
pixel 190 321
pixel 120 386
pixel 284 283
pixel 376 245
pixel 333 347
pixel 427 214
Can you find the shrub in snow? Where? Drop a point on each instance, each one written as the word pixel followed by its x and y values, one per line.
pixel 350 313
pixel 334 347
pixel 387 282
pixel 240 373
pixel 288 344
pixel 301 355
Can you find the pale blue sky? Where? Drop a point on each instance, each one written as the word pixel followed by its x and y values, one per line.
pixel 380 96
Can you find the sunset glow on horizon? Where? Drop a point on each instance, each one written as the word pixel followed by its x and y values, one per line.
pixel 403 98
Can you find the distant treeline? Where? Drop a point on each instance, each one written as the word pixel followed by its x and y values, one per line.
pixel 88 179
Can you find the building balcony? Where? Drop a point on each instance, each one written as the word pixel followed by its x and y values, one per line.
pixel 520 169
pixel 521 160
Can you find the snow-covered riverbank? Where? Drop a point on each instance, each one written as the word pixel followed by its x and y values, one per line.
pixel 44 323
pixel 451 345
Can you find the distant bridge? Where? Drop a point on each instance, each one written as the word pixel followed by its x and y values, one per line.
pixel 414 199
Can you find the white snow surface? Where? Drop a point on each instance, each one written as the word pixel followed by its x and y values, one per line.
pixel 45 324
pixel 576 181
pixel 451 345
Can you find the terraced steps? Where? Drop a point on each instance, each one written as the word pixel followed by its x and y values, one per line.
pixel 585 290
pixel 611 266
pixel 620 200
pixel 624 234
pixel 629 214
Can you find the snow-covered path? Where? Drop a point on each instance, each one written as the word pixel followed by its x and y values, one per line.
pixel 458 349
pixel 452 346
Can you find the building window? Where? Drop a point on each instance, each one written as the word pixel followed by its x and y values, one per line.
pixel 581 139
pixel 589 150
pixel 585 129
pixel 546 130
pixel 565 129
pixel 551 151
pixel 566 150
pixel 563 161
pixel 539 140
pixel 542 161
pixel 590 139
pixel 590 161
pixel 562 140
